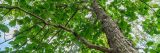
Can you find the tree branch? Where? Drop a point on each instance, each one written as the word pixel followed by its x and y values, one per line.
pixel 84 41
pixel 18 34
pixel 14 7
pixel 6 13
pixel 31 37
pixel 6 41
pixel 4 36
pixel 65 24
pixel 148 5
pixel 43 38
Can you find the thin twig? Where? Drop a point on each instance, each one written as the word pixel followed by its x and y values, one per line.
pixel 65 25
pixel 33 15
pixel 18 34
pixel 54 35
pixel 31 37
pixel 148 6
pixel 6 41
pixel 20 46
pixel 14 7
pixel 71 17
pixel 43 37
pixel 6 13
pixel 4 36
pixel 83 40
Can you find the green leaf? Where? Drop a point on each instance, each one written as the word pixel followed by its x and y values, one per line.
pixel 155 5
pixel 149 43
pixel 158 45
pixel 20 22
pixel 158 48
pixel 7 49
pixel 146 0
pixel 1 18
pixel 4 28
pixel 9 1
pixel 12 23
pixel 153 51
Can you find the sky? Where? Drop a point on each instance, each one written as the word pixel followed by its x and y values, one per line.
pixel 7 35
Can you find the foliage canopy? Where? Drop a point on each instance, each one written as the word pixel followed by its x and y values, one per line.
pixel 40 24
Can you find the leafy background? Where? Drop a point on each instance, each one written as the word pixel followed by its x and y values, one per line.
pixel 138 20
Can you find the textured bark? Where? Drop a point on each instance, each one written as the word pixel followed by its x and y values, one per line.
pixel 116 40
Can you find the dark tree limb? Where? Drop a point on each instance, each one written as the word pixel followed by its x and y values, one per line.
pixel 84 41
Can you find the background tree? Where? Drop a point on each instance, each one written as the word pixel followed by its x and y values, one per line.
pixel 84 26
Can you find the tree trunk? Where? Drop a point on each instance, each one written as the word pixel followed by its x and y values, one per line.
pixel 116 39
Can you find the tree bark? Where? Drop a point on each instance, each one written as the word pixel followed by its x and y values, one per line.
pixel 116 39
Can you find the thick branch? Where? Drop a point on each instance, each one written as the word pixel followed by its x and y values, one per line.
pixel 83 40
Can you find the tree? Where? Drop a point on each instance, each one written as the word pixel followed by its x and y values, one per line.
pixel 63 26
